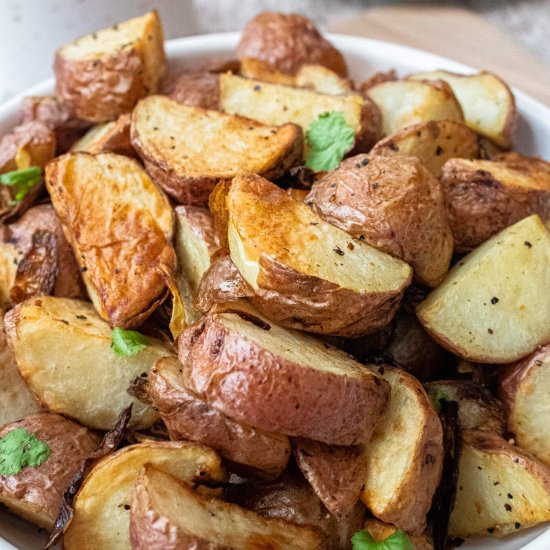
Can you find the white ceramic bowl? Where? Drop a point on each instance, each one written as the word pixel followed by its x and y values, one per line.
pixel 364 57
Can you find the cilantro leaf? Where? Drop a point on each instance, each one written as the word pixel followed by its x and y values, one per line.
pixel 329 138
pixel 22 180
pixel 362 540
pixel 20 448
pixel 127 342
pixel 437 395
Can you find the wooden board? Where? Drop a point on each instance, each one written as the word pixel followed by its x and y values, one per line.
pixel 458 34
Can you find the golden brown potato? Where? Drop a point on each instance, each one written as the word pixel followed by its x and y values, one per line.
pixel 201 89
pixel 376 78
pixel 188 150
pixel 121 247
pixel 291 498
pixel 188 417
pixel 16 398
pixel 288 381
pixel 491 307
pixel 380 531
pixel 404 457
pixel 157 520
pixel 477 408
pixel 523 389
pixel 62 346
pixel 277 104
pixel 35 493
pixel 406 102
pixel 288 41
pixel 104 74
pixel 394 204
pixel 102 505
pixel 434 142
pixel 485 196
pixel 500 488
pixel 487 102
pixel 335 473
pixel 108 137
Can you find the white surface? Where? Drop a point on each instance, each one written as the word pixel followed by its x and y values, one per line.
pixel 364 57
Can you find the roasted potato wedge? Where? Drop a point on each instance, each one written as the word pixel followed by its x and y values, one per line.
pixel 393 204
pixel 188 417
pixel 277 104
pixel 123 247
pixel 400 490
pixel 335 473
pixel 500 488
pixel 107 137
pixel 104 74
pixel 406 102
pixel 487 102
pixel 17 401
pixel 288 41
pixel 493 307
pixel 198 89
pixel 188 150
pixel 485 196
pixel 477 408
pixel 62 346
pixel 523 388
pixel 380 531
pixel 434 142
pixel 291 498
pixel 291 389
pixel 102 505
pixel 157 520
pixel 305 272
pixel 35 493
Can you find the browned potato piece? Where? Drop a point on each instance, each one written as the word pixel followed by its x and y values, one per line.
pixel 35 493
pixel 291 498
pixel 62 346
pixel 376 78
pixel 335 473
pixel 394 204
pixel 188 150
pixel 157 520
pixel 406 102
pixel 104 74
pixel 188 417
pixel 277 104
pixel 288 41
pixel 486 100
pixel 16 398
pixel 122 246
pixel 201 89
pixel 102 505
pixel 500 488
pixel 29 144
pixel 434 142
pixel 485 196
pixel 307 273
pixel 523 389
pixel 477 408
pixel 288 381
pixel 109 137
pixel 404 457
pixel 380 531
pixel 493 306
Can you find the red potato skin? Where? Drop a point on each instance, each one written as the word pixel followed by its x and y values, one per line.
pixel 288 41
pixel 42 488
pixel 251 385
pixel 200 89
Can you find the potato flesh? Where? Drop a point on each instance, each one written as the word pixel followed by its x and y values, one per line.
pixel 494 305
pixel 61 347
pixel 102 506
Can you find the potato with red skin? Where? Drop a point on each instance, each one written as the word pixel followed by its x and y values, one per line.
pixel 288 41
pixel 200 89
pixel 392 203
pixel 35 493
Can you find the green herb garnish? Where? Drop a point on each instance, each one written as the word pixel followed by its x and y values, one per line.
pixel 127 342
pixel 362 540
pixel 23 180
pixel 437 395
pixel 329 138
pixel 20 448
